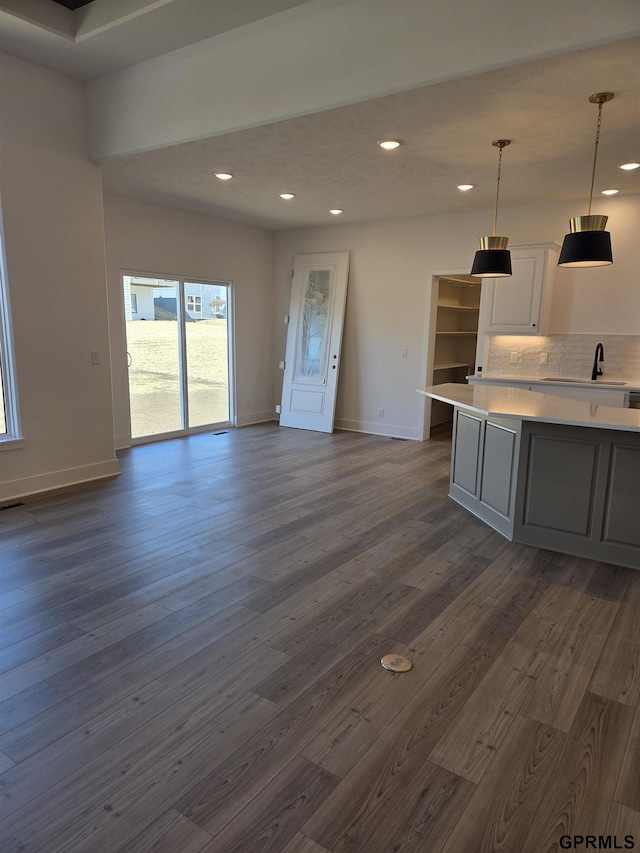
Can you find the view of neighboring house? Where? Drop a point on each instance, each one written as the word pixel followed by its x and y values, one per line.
pixel 144 296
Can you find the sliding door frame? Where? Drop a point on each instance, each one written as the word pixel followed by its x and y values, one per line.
pixel 181 281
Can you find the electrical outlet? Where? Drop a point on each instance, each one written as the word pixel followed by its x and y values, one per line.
pixel 544 358
pixel 513 358
pixel 403 352
pixel 95 357
pixel 278 409
pixel 380 413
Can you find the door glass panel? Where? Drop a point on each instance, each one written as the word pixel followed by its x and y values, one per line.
pixel 206 334
pixel 151 312
pixel 314 329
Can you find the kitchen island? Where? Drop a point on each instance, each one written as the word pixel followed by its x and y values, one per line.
pixel 547 471
pixel 604 392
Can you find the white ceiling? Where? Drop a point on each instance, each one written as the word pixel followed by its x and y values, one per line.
pixel 330 158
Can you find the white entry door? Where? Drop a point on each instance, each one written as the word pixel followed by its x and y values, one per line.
pixel 312 361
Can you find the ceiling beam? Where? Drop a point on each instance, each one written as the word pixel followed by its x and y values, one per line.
pixel 326 54
pixel 103 15
pixel 41 14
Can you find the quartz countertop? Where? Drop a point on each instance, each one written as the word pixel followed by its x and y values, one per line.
pixel 614 381
pixel 509 402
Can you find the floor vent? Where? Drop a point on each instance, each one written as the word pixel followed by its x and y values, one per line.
pixel 395 438
pixel 11 506
pixel 224 432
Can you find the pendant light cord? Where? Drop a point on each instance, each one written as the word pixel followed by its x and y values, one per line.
pixel 595 154
pixel 495 215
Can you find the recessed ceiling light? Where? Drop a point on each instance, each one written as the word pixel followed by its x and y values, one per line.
pixel 629 167
pixel 465 187
pixel 336 211
pixel 224 176
pixel 390 144
pixel 610 192
pixel 287 196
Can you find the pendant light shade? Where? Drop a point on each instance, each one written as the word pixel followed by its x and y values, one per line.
pixel 588 244
pixel 494 259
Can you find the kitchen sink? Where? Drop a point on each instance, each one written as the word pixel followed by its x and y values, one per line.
pixel 580 381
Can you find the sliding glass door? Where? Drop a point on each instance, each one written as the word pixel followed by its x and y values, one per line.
pixel 178 351
pixel 207 348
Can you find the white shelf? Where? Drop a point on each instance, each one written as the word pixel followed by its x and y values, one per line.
pixel 458 334
pixel 453 307
pixel 449 365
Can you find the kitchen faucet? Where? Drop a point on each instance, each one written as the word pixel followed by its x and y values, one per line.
pixel 596 370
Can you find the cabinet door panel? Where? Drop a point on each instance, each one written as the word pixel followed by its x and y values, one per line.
pixel 560 483
pixel 467 451
pixel 515 302
pixel 521 304
pixel 497 467
pixel 623 497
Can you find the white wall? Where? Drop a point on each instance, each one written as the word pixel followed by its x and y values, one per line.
pixel 604 300
pixel 149 238
pixel 391 266
pixel 53 225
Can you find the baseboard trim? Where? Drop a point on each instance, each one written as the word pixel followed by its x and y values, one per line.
pixel 255 418
pixel 390 431
pixel 123 442
pixel 58 479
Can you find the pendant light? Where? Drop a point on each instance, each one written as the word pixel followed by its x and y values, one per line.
pixel 493 260
pixel 588 244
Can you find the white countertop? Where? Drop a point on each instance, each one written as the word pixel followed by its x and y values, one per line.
pixel 613 385
pixel 499 401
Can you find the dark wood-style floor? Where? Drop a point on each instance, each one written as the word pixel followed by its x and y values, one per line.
pixel 191 661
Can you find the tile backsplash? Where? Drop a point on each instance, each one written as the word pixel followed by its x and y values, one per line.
pixel 568 355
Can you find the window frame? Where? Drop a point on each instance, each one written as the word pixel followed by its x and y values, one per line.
pixel 12 435
pixel 182 281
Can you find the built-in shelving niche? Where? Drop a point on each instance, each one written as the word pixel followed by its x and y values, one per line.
pixel 456 333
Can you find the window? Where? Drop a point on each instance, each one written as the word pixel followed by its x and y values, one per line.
pixel 134 303
pixel 8 406
pixel 194 304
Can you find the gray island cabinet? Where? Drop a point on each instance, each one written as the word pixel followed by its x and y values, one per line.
pixel 547 471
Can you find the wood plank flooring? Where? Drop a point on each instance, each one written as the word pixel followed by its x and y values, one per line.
pixel 190 662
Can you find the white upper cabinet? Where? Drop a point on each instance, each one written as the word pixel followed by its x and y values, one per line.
pixel 520 305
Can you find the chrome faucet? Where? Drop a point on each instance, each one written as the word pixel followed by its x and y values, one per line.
pixel 596 370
